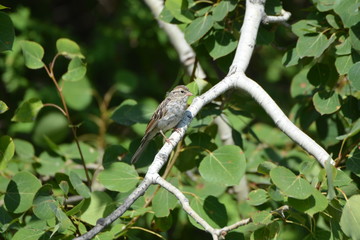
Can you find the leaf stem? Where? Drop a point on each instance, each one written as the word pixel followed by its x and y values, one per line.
pixel 65 110
pixel 55 106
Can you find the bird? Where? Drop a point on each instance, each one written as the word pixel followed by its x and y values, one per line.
pixel 166 116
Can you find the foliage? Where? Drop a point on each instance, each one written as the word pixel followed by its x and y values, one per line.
pixel 87 108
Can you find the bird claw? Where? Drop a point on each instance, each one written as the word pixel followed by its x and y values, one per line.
pixel 168 140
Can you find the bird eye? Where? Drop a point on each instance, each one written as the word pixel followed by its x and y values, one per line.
pixel 182 91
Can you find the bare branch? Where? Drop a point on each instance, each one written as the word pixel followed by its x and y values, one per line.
pixel 236 78
pixel 187 55
pixel 272 19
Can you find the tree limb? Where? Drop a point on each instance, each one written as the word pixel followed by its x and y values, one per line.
pixel 236 78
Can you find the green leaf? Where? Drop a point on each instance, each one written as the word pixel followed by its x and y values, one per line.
pixel 33 230
pixel 290 58
pixel 341 179
pixel 3 107
pixel 166 16
pixel 179 9
pixel 220 10
pixel 353 162
pixel 203 189
pixel 28 110
pixel 3 7
pixel 354 76
pixel 343 64
pixel 6 219
pixel 330 172
pixel 112 154
pixel 71 151
pixel 318 73
pixel 311 205
pixel 348 12
pixel 265 167
pixel 313 45
pixel 24 149
pixel 65 224
pixel 292 185
pixel 119 177
pixel 304 27
pixel 7 149
pixel 354 35
pixel 33 54
pixel 300 85
pixel 20 192
pixel 49 165
pixel 68 48
pixel 164 201
pixel 50 129
pixel 79 186
pixel 71 90
pixel 76 209
pixel 220 44
pixel 325 5
pixel 343 48
pixel 350 217
pixel 198 28
pixel 326 102
pixel 262 217
pixel 164 223
pixel 258 197
pixel 99 205
pixel 45 205
pixel 226 165
pixel 333 21
pixel 211 210
pixel 7 32
pixel 76 70
pixel 64 186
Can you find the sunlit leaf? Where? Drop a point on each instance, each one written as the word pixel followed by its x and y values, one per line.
pixel 354 76
pixel 20 192
pixel 68 48
pixel 198 28
pixel 119 177
pixel 7 149
pixel 350 218
pixel 226 165
pixel 28 110
pixel 79 186
pixel 76 70
pixel 3 107
pixel 179 9
pixel 33 54
pixel 292 185
pixel 326 102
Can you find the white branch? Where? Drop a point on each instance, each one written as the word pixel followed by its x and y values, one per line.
pixel 186 53
pixel 184 203
pixel 236 78
pixel 272 19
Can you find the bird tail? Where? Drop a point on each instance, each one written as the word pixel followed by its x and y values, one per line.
pixel 141 148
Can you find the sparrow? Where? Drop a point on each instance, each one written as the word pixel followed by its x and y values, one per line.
pixel 167 115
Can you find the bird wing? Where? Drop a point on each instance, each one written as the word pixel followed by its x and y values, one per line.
pixel 158 114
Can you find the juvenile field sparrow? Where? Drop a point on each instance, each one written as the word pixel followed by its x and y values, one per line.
pixel 167 115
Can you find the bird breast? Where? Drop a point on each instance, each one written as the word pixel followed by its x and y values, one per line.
pixel 174 113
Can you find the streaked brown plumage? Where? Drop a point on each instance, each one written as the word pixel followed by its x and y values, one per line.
pixel 167 115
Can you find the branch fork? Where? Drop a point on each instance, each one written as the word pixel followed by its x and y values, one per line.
pixel 236 78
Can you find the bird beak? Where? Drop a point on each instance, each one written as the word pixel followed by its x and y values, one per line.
pixel 189 94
